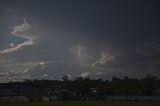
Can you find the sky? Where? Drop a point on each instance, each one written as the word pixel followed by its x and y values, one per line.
pixel 47 39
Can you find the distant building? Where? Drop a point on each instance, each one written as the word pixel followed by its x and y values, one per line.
pixel 21 92
pixel 14 99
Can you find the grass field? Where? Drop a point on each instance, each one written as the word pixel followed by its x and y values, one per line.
pixel 83 103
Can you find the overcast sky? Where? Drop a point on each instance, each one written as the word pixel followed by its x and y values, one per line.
pixel 87 38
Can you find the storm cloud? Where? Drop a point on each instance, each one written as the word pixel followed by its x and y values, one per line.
pixel 87 38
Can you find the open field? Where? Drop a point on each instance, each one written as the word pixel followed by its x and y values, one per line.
pixel 83 103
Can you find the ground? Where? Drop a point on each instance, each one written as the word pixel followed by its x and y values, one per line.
pixel 83 103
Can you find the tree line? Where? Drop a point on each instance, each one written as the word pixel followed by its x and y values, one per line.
pixel 149 85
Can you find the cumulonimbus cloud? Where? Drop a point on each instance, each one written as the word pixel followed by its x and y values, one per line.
pixel 23 32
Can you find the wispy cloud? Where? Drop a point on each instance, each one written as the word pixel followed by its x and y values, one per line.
pixel 104 58
pixel 16 48
pixel 21 31
pixel 92 61
pixel 91 58
pixel 99 73
pixel 28 64
pixel 14 70
pixel 82 55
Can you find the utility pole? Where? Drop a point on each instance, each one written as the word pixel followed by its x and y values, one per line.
pixel 59 73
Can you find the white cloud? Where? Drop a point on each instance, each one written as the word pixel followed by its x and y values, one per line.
pixel 12 75
pixel 81 54
pixel 69 76
pixel 85 74
pixel 104 58
pixel 16 48
pixel 3 74
pixel 12 44
pixel 12 68
pixel 15 70
pixel 100 73
pixel 27 65
pixel 22 31
pixel 45 75
pixel 91 58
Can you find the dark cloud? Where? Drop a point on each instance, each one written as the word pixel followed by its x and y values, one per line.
pixel 95 38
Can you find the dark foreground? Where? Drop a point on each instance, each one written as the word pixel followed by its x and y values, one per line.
pixel 83 103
